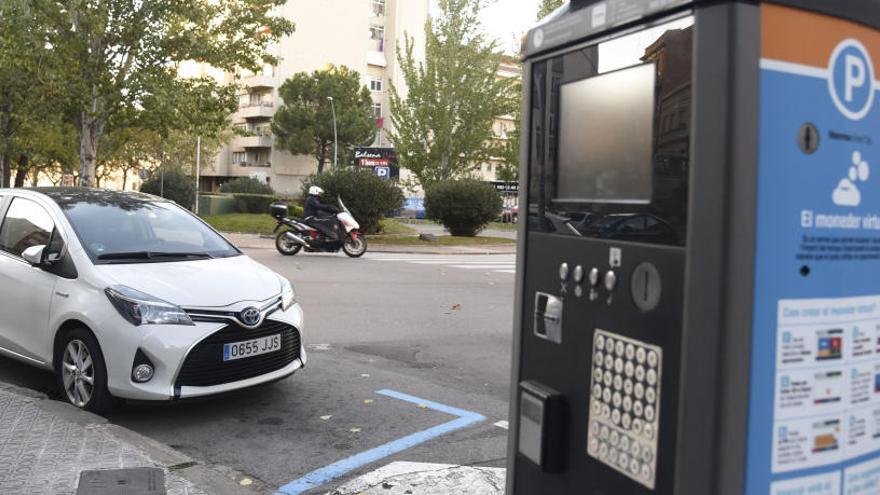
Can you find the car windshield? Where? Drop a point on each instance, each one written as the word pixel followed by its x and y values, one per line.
pixel 143 232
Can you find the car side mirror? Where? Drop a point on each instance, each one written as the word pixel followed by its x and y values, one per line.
pixel 34 255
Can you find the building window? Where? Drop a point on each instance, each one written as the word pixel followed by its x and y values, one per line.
pixel 377 7
pixel 239 157
pixel 377 110
pixel 376 84
pixel 377 32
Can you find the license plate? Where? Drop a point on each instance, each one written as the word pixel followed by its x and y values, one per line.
pixel 249 348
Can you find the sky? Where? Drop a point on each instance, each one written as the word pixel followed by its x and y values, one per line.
pixel 508 20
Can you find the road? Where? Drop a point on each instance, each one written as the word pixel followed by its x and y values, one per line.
pixel 434 327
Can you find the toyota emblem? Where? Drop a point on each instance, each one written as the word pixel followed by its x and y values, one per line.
pixel 250 317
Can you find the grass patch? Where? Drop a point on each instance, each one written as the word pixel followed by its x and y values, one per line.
pixel 445 240
pixel 242 223
pixel 391 226
pixel 508 227
pixel 262 223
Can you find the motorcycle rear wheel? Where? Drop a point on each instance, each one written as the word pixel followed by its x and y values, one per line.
pixel 286 246
pixel 355 247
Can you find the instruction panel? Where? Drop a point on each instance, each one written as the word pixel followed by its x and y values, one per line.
pixel 814 408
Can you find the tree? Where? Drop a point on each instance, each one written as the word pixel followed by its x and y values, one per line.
pixel 548 6
pixel 304 123
pixel 122 52
pixel 442 128
pixel 31 85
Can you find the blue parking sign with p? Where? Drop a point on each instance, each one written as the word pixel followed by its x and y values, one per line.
pixel 383 172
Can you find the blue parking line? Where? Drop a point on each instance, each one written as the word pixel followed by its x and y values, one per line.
pixel 333 471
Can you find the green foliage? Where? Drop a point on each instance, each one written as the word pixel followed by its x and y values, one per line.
pixel 295 210
pixel 247 185
pixel 548 6
pixel 177 187
pixel 443 126
pixel 367 196
pixel 463 206
pixel 253 203
pixel 304 124
pixel 121 61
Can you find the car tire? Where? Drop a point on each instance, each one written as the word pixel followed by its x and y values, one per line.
pixel 81 372
pixel 285 248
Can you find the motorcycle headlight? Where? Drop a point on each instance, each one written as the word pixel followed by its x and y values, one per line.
pixel 288 296
pixel 144 309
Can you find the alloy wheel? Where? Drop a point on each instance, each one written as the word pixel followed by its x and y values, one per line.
pixel 78 373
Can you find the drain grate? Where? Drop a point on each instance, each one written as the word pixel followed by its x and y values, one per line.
pixel 135 481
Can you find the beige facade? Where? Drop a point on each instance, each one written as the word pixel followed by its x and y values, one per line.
pixel 360 34
pixel 511 69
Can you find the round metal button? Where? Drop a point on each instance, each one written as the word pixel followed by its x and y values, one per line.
pixel 610 280
pixel 563 272
pixel 640 355
pixel 593 278
pixel 578 274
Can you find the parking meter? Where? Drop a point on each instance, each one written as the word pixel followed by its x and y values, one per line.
pixel 698 283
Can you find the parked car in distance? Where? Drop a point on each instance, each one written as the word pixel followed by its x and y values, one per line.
pixel 129 296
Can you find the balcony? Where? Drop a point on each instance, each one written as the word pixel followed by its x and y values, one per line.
pixel 255 110
pixel 258 81
pixel 255 164
pixel 255 141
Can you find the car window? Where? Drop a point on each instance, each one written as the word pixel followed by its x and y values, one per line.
pixel 26 224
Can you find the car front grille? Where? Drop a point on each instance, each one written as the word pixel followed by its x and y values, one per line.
pixel 204 366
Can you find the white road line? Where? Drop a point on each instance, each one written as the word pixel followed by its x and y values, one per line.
pixel 457 262
pixel 502 424
pixel 482 267
pixel 505 271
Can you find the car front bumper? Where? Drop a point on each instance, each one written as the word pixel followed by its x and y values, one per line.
pixel 167 348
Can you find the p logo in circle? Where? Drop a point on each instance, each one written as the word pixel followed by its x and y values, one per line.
pixel 851 79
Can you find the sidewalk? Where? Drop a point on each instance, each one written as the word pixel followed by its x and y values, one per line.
pixel 254 241
pixel 45 445
pixel 411 478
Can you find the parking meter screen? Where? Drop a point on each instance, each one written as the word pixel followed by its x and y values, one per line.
pixel 609 138
pixel 606 137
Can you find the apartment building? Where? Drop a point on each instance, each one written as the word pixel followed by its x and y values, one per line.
pixel 510 68
pixel 360 34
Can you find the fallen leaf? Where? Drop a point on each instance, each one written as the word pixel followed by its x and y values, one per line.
pixel 325 418
pixel 365 375
pixel 246 482
pixel 368 401
pixel 423 406
pixel 355 430
pixel 456 307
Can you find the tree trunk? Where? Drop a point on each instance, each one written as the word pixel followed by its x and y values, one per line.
pixel 21 171
pixel 90 129
pixel 124 177
pixel 4 170
pixel 322 158
pixel 35 178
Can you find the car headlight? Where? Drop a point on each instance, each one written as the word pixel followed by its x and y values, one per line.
pixel 288 296
pixel 144 309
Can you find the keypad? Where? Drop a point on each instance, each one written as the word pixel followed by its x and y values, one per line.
pixel 625 405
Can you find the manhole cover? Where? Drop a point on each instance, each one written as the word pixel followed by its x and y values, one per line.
pixel 135 481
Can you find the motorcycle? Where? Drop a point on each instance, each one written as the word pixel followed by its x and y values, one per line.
pixel 293 234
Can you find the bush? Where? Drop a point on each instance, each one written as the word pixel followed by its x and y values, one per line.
pixel 253 203
pixel 178 187
pixel 367 196
pixel 246 185
pixel 464 207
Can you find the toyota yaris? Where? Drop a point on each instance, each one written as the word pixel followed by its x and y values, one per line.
pixel 126 295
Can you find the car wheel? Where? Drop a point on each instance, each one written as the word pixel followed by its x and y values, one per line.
pixel 81 372
pixel 286 246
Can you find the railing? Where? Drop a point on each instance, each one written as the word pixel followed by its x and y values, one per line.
pixel 252 104
pixel 255 164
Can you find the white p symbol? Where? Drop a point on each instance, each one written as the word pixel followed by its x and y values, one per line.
pixel 855 75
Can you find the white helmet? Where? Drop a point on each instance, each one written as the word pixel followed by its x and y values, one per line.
pixel 315 191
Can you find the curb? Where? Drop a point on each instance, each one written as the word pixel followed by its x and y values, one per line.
pixel 394 249
pixel 212 478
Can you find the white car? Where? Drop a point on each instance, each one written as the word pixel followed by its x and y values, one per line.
pixel 129 296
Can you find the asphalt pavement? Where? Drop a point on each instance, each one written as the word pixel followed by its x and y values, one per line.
pixel 409 360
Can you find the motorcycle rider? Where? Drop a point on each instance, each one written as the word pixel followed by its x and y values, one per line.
pixel 312 213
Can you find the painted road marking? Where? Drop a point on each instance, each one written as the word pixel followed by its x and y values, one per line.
pixel 333 471
pixel 497 264
pixel 502 424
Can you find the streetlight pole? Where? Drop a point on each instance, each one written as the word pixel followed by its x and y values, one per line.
pixel 198 169
pixel 335 135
